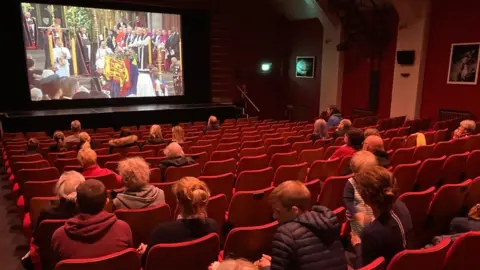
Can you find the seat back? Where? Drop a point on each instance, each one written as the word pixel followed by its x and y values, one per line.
pixel 322 143
pixel 344 165
pixel 228 146
pixel 38 204
pixel 329 152
pixel 34 189
pixel 405 175
pixel 173 174
pixel 252 163
pixel 278 148
pixel 411 141
pixel 440 135
pixel 45 174
pixel 217 208
pixel 446 204
pixel 443 149
pixel 258 200
pixel 201 148
pixel 143 221
pixel 220 184
pixel 290 172
pixel 402 156
pixel 126 260
pixel 429 173
pixel 102 159
pixel 378 264
pixel 220 167
pixel 229 140
pixel 463 253
pixel 143 154
pixel 40 164
pixel 430 258
pixel 62 162
pixel 331 194
pixel 418 204
pixel 224 155
pixel 250 242
pixel 472 169
pixel 396 143
pixel 254 180
pixel 252 143
pixel 272 141
pixel 200 158
pixel 322 169
pixel 294 139
pixel 197 254
pixel 300 146
pixel 43 237
pixel 280 159
pixel 250 152
pixel 473 194
pixel 454 168
pixel 52 157
pixel 311 155
pixel 109 180
pixel 170 198
pixel 423 152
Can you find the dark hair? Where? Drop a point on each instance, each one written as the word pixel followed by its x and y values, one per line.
pixel 68 86
pixel 125 132
pixel 334 109
pixel 51 88
pixel 91 197
pixel 376 186
pixel 98 94
pixel 59 138
pixel 30 63
pixel 32 144
pixel 81 95
pixel 355 138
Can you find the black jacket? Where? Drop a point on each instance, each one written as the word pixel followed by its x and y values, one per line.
pixel 311 241
pixel 174 162
pixel 382 159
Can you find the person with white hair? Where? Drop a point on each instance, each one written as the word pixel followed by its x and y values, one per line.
pixel 320 130
pixel 76 128
pixel 466 128
pixel 212 124
pixel 175 158
pixel 36 94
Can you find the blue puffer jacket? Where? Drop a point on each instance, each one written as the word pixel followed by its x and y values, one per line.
pixel 309 242
pixel 334 120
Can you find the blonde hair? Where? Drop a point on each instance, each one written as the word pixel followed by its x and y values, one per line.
pixel 239 264
pixel 75 126
pixel 468 125
pixel 135 172
pixel 173 150
pixel 320 128
pixel 156 132
pixel 192 196
pixel 371 131
pixel 66 187
pixel 84 137
pixel 178 134
pixel 361 160
pixel 86 156
pixel 376 186
pixel 290 194
pixel 212 120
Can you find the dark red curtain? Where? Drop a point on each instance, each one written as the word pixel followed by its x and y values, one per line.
pixel 170 20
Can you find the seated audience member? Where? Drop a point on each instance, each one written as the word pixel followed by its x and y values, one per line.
pixel 371 131
pixel 138 193
pixel 51 85
pixel 82 95
pixel 304 239
pixel 466 224
pixel 374 144
pixel 391 230
pixel 358 212
pixel 334 116
pixel 155 136
pixel 178 135
pixel 320 130
pixel 175 158
pixel 69 87
pixel 466 128
pixel 127 139
pixel 84 138
pixel 353 143
pixel 344 126
pixel 88 159
pixel 212 124
pixel 32 146
pixel 93 232
pixel 66 190
pixel 192 197
pixel 76 128
pixel 60 145
pixel 238 264
pixel 36 94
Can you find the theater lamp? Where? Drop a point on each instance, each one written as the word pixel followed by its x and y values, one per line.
pixel 265 67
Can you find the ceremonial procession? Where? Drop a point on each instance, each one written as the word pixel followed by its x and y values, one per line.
pixel 81 53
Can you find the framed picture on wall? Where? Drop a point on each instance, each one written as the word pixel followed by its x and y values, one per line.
pixel 464 63
pixel 305 67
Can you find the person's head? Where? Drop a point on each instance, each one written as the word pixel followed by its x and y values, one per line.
pixel 119 30
pixel 361 160
pixel 320 128
pixel 173 150
pixel 156 132
pixel 51 85
pixel 135 172
pixel 27 14
pixel 164 32
pixel 289 199
pixel 69 86
pixel 238 264
pixel 212 121
pixel 467 126
pixel 86 156
pixel 192 197
pixel 124 30
pixel 75 126
pixel 332 110
pixel 376 186
pixel 174 60
pixel 59 43
pixel 373 144
pixel 83 30
pixel 58 136
pixel 30 63
pixel 169 32
pixel 66 187
pixel 178 134
pixel 138 31
pixel 129 29
pixel 125 132
pixel 354 138
pixel 91 197
pixel 36 94
pixel 137 18
pixel 345 124
pixel 474 212
pixel 32 144
pixel 174 29
pixel 84 137
pixel 103 44
pixel 370 132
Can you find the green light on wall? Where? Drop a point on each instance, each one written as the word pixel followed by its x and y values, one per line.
pixel 266 67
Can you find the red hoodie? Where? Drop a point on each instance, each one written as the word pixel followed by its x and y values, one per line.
pixel 90 236
pixel 95 170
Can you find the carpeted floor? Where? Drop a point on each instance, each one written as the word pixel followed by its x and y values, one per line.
pixel 13 245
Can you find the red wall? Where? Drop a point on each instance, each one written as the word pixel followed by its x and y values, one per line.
pixel 451 22
pixel 356 74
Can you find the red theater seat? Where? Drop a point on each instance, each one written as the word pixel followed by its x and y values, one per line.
pixel 125 260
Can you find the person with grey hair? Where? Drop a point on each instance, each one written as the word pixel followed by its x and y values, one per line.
pixel 76 128
pixel 66 191
pixel 466 128
pixel 320 130
pixel 175 158
pixel 36 94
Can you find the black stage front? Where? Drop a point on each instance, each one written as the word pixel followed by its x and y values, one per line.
pixel 51 120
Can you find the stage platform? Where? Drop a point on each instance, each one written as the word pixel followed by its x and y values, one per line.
pixel 51 120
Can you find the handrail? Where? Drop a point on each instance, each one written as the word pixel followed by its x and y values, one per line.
pixel 247 98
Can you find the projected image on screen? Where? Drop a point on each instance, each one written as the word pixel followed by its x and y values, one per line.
pixel 85 53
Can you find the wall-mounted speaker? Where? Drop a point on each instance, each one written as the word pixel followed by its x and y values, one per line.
pixel 406 57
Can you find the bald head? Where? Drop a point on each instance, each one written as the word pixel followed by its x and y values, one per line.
pixel 173 150
pixel 373 143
